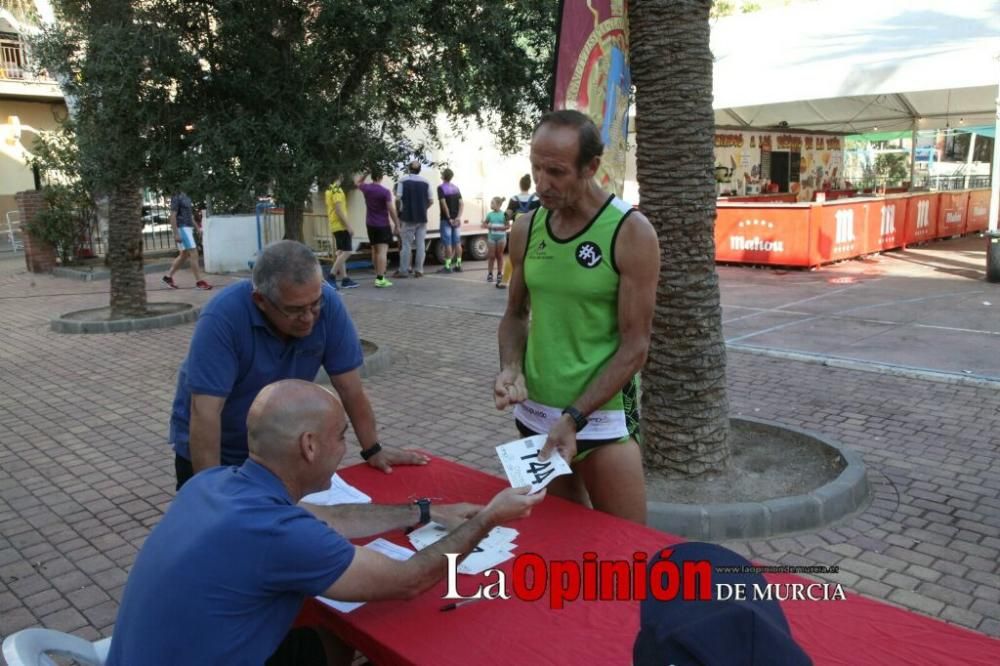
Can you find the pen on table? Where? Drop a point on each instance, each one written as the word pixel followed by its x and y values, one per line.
pixel 456 604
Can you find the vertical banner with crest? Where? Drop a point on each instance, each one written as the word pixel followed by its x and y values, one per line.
pixel 593 76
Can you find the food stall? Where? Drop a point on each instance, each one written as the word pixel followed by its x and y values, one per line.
pixel 786 165
pixel 814 67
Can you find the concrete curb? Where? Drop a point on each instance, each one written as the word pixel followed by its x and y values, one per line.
pixel 753 520
pixel 187 314
pixel 100 273
pixel 374 363
pixel 871 366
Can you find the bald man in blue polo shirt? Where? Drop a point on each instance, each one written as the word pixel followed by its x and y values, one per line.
pixel 284 323
pixel 221 578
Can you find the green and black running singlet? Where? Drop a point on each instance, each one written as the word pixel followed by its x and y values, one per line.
pixel 573 290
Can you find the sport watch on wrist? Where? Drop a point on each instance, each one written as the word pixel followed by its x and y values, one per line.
pixel 371 451
pixel 579 420
pixel 425 511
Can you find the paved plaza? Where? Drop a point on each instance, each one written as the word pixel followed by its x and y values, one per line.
pixel 896 357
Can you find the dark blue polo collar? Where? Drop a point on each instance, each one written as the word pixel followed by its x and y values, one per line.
pixel 259 475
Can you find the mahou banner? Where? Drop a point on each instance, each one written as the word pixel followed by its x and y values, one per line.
pixel 593 76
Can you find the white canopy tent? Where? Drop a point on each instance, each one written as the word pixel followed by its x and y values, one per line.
pixel 855 65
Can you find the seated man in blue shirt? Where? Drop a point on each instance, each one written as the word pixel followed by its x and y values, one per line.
pixel 221 578
pixel 284 323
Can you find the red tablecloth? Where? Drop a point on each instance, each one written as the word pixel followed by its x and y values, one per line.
pixel 854 632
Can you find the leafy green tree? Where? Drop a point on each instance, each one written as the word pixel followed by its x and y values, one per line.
pixel 70 210
pixel 230 99
pixel 119 66
pixel 295 93
pixel 892 168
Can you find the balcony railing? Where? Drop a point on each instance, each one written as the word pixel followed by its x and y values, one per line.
pixel 15 61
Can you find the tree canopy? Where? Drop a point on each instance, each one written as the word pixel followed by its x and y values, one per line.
pixel 230 99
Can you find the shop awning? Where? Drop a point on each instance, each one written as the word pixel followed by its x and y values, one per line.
pixel 855 65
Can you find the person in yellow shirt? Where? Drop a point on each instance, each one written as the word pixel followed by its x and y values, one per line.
pixel 336 213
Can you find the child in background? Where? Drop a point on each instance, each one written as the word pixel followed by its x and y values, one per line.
pixel 496 240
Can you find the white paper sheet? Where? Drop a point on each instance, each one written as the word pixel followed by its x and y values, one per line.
pixel 520 461
pixel 388 549
pixel 340 492
pixel 500 538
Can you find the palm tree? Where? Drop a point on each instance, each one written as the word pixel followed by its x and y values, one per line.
pixel 684 403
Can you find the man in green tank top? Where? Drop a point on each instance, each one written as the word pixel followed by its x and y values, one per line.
pixel 578 321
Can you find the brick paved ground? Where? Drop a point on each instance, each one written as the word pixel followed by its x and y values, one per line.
pixel 85 470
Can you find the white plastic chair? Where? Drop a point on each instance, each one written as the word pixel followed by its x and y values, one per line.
pixel 29 647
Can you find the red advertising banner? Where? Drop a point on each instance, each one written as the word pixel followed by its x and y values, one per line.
pixel 820 233
pixel 921 219
pixel 593 76
pixel 759 235
pixel 977 216
pixel 891 218
pixel 952 207
pixel 840 231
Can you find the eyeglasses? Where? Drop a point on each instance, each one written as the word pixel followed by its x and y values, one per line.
pixel 298 311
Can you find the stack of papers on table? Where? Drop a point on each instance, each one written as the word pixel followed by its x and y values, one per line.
pixel 496 547
pixel 388 549
pixel 340 492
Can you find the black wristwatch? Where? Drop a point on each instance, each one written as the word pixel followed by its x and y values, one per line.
pixel 371 451
pixel 579 420
pixel 425 511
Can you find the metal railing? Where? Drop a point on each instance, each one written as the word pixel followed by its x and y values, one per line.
pixel 315 230
pixel 156 231
pixel 15 60
pixel 157 235
pixel 958 182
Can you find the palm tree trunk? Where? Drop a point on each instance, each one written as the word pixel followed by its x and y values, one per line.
pixel 128 281
pixel 685 409
pixel 293 221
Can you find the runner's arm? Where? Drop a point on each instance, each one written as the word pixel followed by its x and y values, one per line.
pixel 173 222
pixel 341 213
pixel 393 215
pixel 512 334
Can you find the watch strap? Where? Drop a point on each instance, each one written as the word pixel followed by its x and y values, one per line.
pixel 371 451
pixel 425 510
pixel 579 420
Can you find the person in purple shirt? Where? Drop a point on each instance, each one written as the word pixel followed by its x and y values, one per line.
pixel 382 222
pixel 452 208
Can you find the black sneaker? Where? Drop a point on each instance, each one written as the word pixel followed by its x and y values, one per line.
pixel 169 281
pixel 489 277
pixel 457 268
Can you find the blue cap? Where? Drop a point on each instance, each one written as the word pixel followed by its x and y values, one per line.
pixel 752 632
